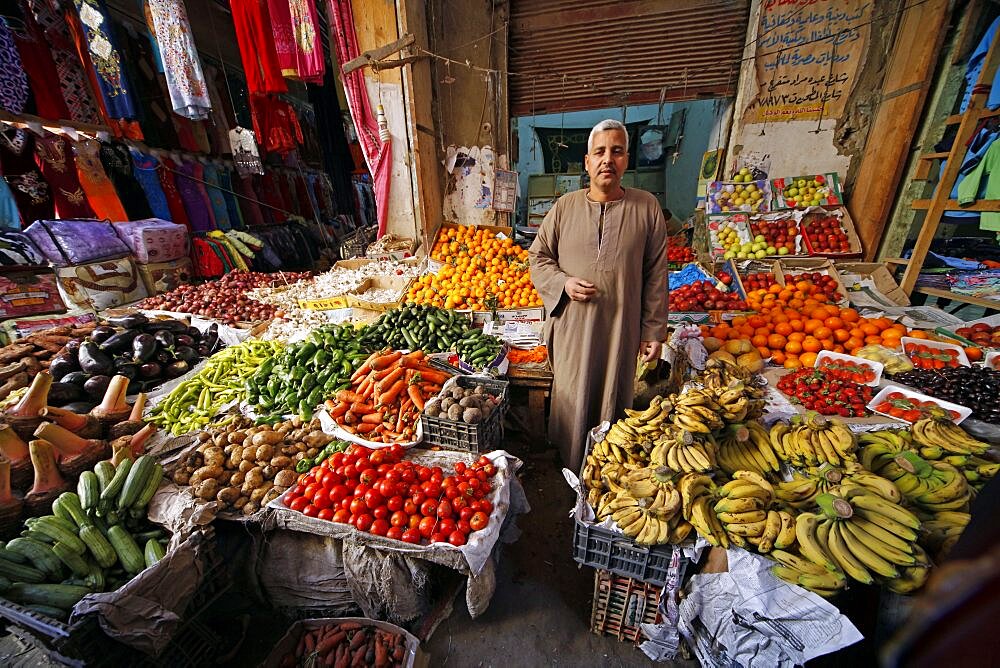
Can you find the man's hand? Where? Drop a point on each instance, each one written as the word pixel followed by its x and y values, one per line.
pixel 650 350
pixel 579 290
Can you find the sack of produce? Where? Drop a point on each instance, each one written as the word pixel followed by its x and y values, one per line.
pixel 101 285
pixel 17 249
pixel 155 240
pixel 71 242
pixel 163 277
pixel 345 641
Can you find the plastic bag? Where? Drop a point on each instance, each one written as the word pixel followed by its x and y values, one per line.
pixel 895 361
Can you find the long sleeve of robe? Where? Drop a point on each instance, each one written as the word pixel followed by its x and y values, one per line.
pixel 593 345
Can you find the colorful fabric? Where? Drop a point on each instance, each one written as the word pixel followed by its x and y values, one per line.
pixel 54 156
pixel 14 89
pixel 275 124
pixel 232 207
pixel 10 218
pixel 40 69
pixel 284 36
pixel 257 49
pixel 213 186
pixel 105 58
pixel 188 176
pixel 249 204
pixel 146 170
pixel 179 56
pixel 309 63
pixel 117 161
pixel 168 183
pixel 17 163
pixel 95 182
pixel 72 78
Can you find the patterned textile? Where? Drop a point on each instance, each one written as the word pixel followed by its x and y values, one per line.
pixel 181 65
pixel 245 153
pixel 309 63
pixel 96 184
pixel 54 156
pixel 13 81
pixel 105 57
pixel 17 162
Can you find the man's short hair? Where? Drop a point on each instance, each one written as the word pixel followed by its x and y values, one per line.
pixel 604 126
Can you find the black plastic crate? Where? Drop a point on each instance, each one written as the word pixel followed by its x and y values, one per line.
pixel 601 548
pixel 475 438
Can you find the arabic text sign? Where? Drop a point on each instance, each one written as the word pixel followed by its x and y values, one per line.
pixel 808 53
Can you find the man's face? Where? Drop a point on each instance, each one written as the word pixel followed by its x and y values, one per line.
pixel 607 159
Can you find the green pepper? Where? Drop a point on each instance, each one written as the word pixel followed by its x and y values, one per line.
pixel 307 350
pixel 320 358
pixel 303 465
pixel 305 411
pixel 298 373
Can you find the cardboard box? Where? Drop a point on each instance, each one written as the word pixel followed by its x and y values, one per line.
pixel 782 268
pixel 397 283
pixel 871 284
pixel 503 316
pixel 29 292
pixel 829 189
pixel 846 222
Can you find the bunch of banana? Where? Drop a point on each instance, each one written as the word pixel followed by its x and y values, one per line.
pixel 656 485
pixel 929 486
pixel 800 571
pixel 719 374
pixel 859 533
pixel 639 520
pixel 886 441
pixel 697 495
pixel 813 440
pixel 977 471
pixel 744 512
pixel 799 493
pixel 947 435
pixel 697 411
pixel 684 452
pixel 747 447
pixel 941 530
pixel 911 578
pixel 606 451
pixel 832 479
pixel 736 403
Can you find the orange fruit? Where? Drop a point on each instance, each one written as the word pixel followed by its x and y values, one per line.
pixel 838 348
pixel 918 334
pixel 870 329
pixel 822 333
pixel 792 363
pixel 833 322
pixel 812 345
pixel 778 357
pixel 764 351
pixel 796 336
pixel 793 347
pixel 776 341
pixel 849 315
pixel 759 341
pixel 974 353
pixel 756 321
pixel 808 359
pixel 873 340
pixel 783 328
pixel 812 324
pixel 853 343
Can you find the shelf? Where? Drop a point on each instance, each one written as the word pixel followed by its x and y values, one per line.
pixel 991 304
pixel 992 205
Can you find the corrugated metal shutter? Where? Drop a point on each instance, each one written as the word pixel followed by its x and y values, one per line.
pixel 622 52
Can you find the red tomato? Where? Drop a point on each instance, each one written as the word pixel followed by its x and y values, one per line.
pixel 408 476
pixel 426 527
pixel 423 474
pixel 415 521
pixel 451 493
pixel 394 476
pixel 309 479
pixel 409 507
pixel 444 509
pixel 464 527
pixel 411 536
pixel 446 526
pixel 395 503
pixel 482 475
pixel 299 489
pixel 431 489
pixel 342 516
pixel 369 476
pixel 482 461
pixel 485 506
pixel 299 503
pixel 377 457
pixel 363 522
pixel 449 482
pixel 383 469
pixel 381 513
pixel 362 463
pixel 399 519
pixel 438 472
pixel 474 484
pixel 345 502
pixel 395 533
pixel 337 459
pixel 325 464
pixel 397 451
pixel 429 508
pixel 460 467
pixel 479 521
pixel 458 503
pixel 360 489
pixel 373 499
pixel 325 514
pixel 456 538
pixel 349 472
pixel 380 527
pixel 322 501
pixel 357 505
pixel 338 493
pixel 467 512
pixel 439 537
pixel 310 511
pixel 311 490
pixel 329 479
pixel 418 497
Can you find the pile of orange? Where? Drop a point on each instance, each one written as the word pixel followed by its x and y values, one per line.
pixel 792 337
pixel 481 272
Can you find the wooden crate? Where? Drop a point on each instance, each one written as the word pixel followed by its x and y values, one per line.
pixel 621 604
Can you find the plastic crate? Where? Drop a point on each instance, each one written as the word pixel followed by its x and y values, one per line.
pixel 603 549
pixel 475 438
pixel 621 604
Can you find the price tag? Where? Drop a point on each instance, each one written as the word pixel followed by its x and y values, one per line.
pixel 328 304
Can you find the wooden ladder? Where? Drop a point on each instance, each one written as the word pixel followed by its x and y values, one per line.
pixel 939 202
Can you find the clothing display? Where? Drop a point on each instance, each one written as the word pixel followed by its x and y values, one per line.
pixel 213 188
pixel 168 183
pixel 73 83
pixel 149 88
pixel 270 194
pixel 146 169
pixel 54 156
pixel 14 89
pixel 971 187
pixel 284 37
pixel 232 207
pixel 257 51
pixel 10 218
pixel 106 59
pixel 17 163
pixel 117 161
pixel 188 176
pixel 98 187
pixel 275 124
pixel 40 69
pixel 179 56
pixel 309 64
pixel 245 153
pixel 219 121
pixel 250 209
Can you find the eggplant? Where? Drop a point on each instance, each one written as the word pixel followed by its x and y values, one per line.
pixel 164 357
pixel 128 369
pixel 93 361
pixel 164 338
pixel 64 393
pixel 102 333
pixel 82 407
pixel 131 321
pixel 203 350
pixel 211 338
pixel 175 326
pixel 73 346
pixel 63 364
pixel 77 378
pixel 194 332
pixel 96 386
pixel 178 368
pixel 150 370
pixel 120 341
pixel 144 347
pixel 184 340
pixel 186 353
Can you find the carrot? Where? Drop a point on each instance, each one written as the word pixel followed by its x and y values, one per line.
pixel 416 355
pixel 330 641
pixel 385 360
pixel 381 653
pixel 365 427
pixel 369 390
pixel 343 657
pixel 349 429
pixel 348 396
pixel 428 389
pixel 379 375
pixel 350 626
pixel 415 395
pixel 366 366
pixel 358 658
pixel 373 418
pixel 390 396
pixel 310 642
pixel 339 409
pixel 360 408
pixel 358 639
pixel 390 379
pixel 432 376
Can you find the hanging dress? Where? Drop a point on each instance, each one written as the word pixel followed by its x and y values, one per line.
pixel 106 59
pixel 174 202
pixel 181 64
pixel 249 202
pixel 199 209
pixel 14 90
pixel 41 70
pixel 10 217
pixel 309 64
pixel 213 188
pixel 54 156
pixel 245 153
pixel 117 161
pixel 226 181
pixel 100 191
pixel 257 49
pixel 145 168
pixel 17 162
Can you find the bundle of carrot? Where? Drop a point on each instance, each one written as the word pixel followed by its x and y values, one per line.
pixel 386 397
pixel 348 644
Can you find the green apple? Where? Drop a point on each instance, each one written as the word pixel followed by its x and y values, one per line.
pixel 792 192
pixel 760 237
pixel 744 171
pixel 801 183
pixel 771 250
pixel 729 255
pixel 741 256
pixel 783 250
pixel 761 254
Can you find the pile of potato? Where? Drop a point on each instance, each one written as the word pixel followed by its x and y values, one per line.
pixel 244 466
pixel 470 405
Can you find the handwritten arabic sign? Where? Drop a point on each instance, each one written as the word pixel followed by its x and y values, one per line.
pixel 808 53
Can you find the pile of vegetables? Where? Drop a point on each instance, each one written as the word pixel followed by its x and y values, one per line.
pixel 387 395
pixel 226 298
pixel 224 378
pixel 243 465
pixel 89 543
pixel 301 377
pixel 145 351
pixel 25 357
pixel 470 405
pixel 433 330
pixel 346 644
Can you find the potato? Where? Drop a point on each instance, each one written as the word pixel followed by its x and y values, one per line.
pixel 312 452
pixel 250 454
pixel 237 436
pixel 318 439
pixel 264 453
pixel 269 472
pixel 259 493
pixel 470 402
pixel 455 413
pixel 250 508
pixel 236 480
pixel 228 450
pixel 181 477
pixel 236 456
pixel 296 434
pixel 254 479
pixel 298 456
pixel 472 416
pixel 240 502
pixel 447 403
pixel 266 437
pixel 228 495
pixel 281 462
pixel 207 489
pixel 296 421
pixel 204 436
pixel 289 450
pixel 246 465
pixel 271 495
pixel 214 456
pixel 285 478
pixel 220 440
pixel 205 473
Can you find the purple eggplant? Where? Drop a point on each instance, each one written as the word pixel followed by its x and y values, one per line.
pixel 186 353
pixel 150 370
pixel 102 334
pixel 72 346
pixel 63 364
pixel 129 369
pixel 64 393
pixel 163 357
pixel 164 338
pixel 144 347
pixel 96 386
pixel 184 340
pixel 82 407
pixel 131 321
pixel 93 360
pixel 178 368
pixel 77 378
pixel 175 326
pixel 120 342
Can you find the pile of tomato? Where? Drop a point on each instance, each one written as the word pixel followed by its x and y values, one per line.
pixel 827 396
pixel 854 372
pixel 379 492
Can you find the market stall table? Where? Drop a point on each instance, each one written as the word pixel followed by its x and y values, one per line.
pixel 538 383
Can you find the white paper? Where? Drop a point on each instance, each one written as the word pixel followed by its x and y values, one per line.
pixel 748 617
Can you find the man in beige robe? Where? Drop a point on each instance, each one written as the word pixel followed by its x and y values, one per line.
pixel 599 263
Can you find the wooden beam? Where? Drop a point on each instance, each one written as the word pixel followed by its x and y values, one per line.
pixel 955 119
pixel 953 205
pixel 915 52
pixel 375 55
pixel 934 156
pixel 993 304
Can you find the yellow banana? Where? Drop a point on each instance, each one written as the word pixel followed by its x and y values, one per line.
pixel 872 561
pixel 750 516
pixel 786 534
pixel 798 563
pixel 770 534
pixel 805 533
pixel 845 558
